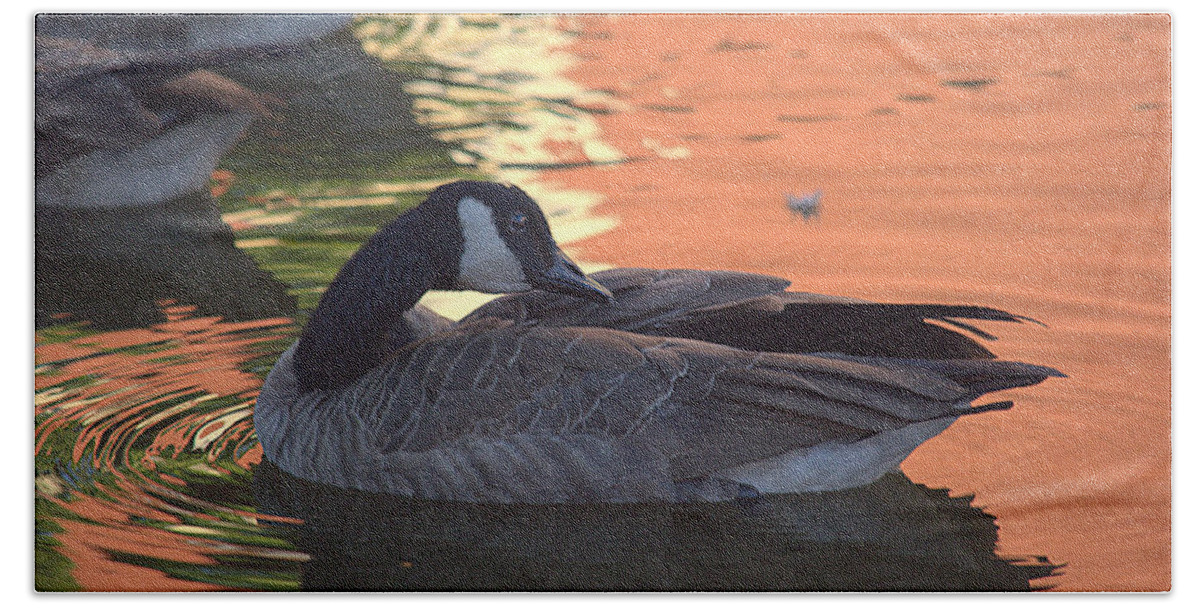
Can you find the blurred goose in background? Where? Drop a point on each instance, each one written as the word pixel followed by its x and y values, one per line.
pixel 631 385
pixel 129 110
pixel 116 130
pixel 132 114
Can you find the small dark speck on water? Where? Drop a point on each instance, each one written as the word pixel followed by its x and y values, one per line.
pixel 916 98
pixel 1063 73
pixel 977 83
pixel 808 117
pixel 727 45
pixel 1149 105
pixel 669 108
pixel 807 206
pixel 757 137
pixel 883 111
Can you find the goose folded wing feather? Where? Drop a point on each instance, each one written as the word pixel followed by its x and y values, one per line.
pixel 644 297
pixel 675 394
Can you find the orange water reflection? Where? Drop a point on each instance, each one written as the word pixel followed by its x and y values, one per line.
pixel 122 418
pixel 1021 162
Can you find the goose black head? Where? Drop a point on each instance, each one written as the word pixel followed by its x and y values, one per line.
pixel 506 243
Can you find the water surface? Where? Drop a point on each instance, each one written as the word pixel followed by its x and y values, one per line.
pixel 1015 162
pixel 1021 162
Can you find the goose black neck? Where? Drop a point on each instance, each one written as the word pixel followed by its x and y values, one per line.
pixel 359 318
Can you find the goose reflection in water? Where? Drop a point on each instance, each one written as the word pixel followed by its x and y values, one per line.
pixel 892 534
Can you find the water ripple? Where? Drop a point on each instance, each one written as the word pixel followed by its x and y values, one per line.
pixel 143 441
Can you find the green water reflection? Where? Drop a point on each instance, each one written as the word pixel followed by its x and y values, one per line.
pixel 144 444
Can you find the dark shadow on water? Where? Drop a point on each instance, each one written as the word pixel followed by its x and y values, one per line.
pixel 893 535
pixel 112 266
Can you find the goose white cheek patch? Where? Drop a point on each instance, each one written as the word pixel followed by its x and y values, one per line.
pixel 487 263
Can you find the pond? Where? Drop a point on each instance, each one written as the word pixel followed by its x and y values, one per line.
pixel 1020 162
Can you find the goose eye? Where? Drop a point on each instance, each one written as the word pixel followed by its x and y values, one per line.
pixel 517 222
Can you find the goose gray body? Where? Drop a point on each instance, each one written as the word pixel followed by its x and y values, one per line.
pixel 681 387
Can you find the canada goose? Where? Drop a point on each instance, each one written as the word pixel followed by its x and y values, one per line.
pixel 630 385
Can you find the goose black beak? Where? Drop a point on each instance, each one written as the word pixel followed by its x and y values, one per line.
pixel 565 277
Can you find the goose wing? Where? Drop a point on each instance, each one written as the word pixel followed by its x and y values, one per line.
pixel 644 298
pixel 699 407
pixel 754 312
